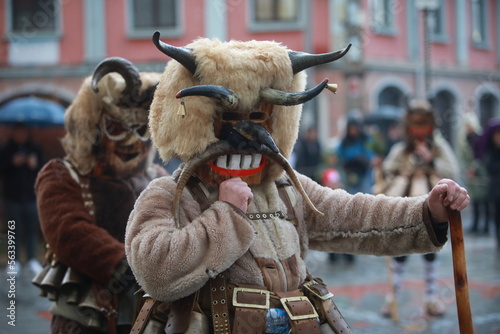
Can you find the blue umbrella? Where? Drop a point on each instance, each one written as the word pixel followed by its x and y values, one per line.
pixel 385 114
pixel 32 111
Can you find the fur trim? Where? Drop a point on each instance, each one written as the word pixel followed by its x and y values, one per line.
pixel 244 67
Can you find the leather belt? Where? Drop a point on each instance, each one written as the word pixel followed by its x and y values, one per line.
pixel 219 304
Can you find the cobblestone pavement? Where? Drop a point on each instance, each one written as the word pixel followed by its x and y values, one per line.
pixel 359 290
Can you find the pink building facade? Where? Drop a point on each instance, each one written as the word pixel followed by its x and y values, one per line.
pixel 49 46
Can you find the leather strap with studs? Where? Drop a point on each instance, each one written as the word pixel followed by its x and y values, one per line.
pixel 219 304
pixel 266 215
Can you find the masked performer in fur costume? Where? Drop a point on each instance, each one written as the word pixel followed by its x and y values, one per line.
pixel 85 200
pixel 412 168
pixel 223 241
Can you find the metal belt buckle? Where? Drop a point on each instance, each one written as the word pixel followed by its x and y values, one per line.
pixel 308 287
pixel 259 291
pixel 301 316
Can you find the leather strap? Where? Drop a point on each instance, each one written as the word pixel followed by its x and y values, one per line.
pixel 180 312
pixel 303 316
pixel 143 316
pixel 219 304
pixel 282 184
pixel 251 304
pixel 335 318
pixel 322 299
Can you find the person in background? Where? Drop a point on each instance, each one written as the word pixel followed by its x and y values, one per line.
pixel 85 200
pixel 354 158
pixel 308 154
pixel 330 177
pixel 381 148
pixel 491 160
pixel 21 160
pixel 474 172
pixel 412 168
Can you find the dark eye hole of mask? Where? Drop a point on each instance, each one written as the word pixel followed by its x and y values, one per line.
pixel 257 116
pixel 230 116
pixel 116 130
pixel 142 131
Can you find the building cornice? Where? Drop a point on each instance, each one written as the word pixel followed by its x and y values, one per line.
pixel 452 72
pixel 28 72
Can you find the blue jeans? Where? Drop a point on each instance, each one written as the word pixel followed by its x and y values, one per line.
pixel 27 227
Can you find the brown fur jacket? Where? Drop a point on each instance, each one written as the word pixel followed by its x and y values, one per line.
pixel 224 238
pixel 92 245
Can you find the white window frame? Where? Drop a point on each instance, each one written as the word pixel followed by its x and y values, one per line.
pixel 299 24
pixel 33 35
pixel 479 20
pixel 442 35
pixel 142 33
pixel 382 16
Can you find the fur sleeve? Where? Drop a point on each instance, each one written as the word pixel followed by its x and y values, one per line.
pixel 368 224
pixel 182 259
pixel 69 228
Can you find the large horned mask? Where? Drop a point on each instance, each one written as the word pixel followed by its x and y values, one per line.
pixel 108 134
pixel 235 101
pixel 232 109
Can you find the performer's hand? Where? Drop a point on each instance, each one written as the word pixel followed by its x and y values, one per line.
pixel 423 151
pixel 236 192
pixel 446 193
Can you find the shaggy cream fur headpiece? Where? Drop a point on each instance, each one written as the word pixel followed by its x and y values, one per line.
pixel 246 68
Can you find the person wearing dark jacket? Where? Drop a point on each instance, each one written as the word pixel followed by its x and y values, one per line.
pixel 492 163
pixel 309 154
pixel 21 159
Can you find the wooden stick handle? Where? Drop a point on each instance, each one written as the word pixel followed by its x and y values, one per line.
pixel 460 273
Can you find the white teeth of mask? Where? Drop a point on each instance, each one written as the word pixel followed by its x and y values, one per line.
pixel 238 161
pixel 246 161
pixel 221 161
pixel 234 161
pixel 256 158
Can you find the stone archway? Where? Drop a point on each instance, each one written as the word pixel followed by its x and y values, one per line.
pixel 444 103
pixel 488 107
pixel 391 96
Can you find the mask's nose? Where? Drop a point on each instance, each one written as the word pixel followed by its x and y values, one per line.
pixel 245 135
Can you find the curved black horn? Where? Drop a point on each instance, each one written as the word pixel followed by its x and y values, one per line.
pixel 303 60
pixel 221 93
pixel 181 54
pixel 281 98
pixel 125 68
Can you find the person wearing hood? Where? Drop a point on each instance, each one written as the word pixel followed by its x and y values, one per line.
pixel 474 173
pixel 490 153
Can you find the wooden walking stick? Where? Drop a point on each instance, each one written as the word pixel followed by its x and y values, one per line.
pixel 460 273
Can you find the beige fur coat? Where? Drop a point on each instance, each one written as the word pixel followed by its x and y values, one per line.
pixel 223 238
